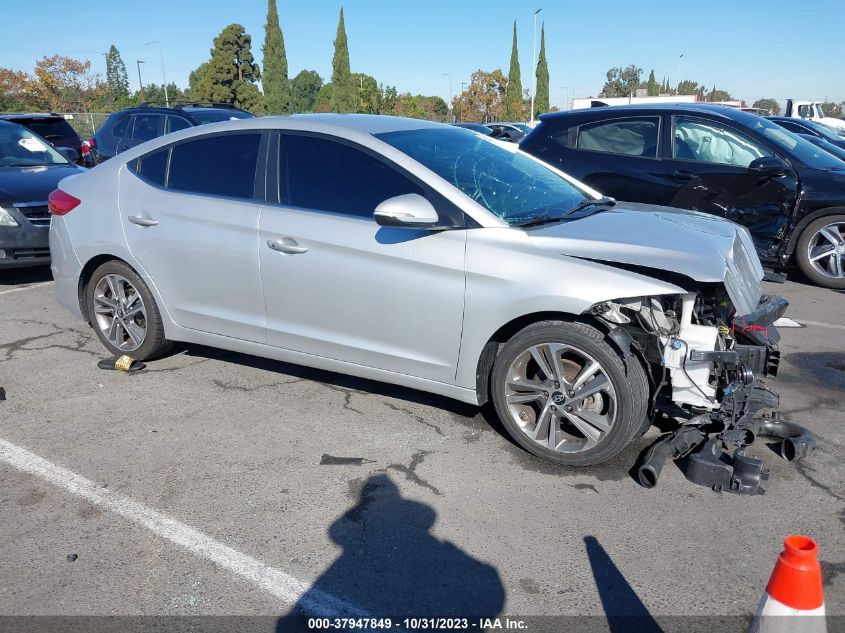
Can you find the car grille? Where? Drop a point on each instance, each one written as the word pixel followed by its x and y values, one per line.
pixel 744 279
pixel 38 213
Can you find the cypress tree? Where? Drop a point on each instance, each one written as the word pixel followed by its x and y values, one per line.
pixel 344 97
pixel 274 80
pixel 651 86
pixel 541 99
pixel 513 93
pixel 116 76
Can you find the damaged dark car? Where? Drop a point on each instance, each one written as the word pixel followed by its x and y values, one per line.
pixel 789 193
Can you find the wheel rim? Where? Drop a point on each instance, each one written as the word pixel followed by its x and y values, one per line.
pixel 120 313
pixel 826 250
pixel 561 397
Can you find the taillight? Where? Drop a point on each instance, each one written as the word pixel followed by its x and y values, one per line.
pixel 92 143
pixel 61 202
pixel 85 149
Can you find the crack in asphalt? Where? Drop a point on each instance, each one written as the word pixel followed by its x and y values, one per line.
pixel 347 395
pixel 831 571
pixel 410 471
pixel 228 386
pixel 82 339
pixel 417 417
pixel 805 471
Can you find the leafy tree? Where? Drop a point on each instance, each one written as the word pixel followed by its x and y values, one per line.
pixel 65 84
pixel 651 86
pixel 274 79
pixel 230 75
pixel 718 95
pixel 116 76
pixel 18 91
pixel 688 87
pixel 513 98
pixel 324 98
pixel 770 105
pixel 344 95
pixel 621 82
pixel 154 93
pixel 484 98
pixel 367 93
pixel 833 109
pixel 541 99
pixel 304 89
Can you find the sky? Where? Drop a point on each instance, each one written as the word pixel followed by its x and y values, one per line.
pixel 751 49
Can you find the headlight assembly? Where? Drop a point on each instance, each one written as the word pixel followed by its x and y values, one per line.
pixel 6 218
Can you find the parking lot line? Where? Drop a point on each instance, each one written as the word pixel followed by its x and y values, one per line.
pixel 30 286
pixel 820 324
pixel 272 580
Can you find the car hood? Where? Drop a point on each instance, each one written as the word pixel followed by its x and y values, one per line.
pixel 699 246
pixel 32 184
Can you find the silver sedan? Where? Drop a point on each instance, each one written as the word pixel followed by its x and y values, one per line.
pixel 408 252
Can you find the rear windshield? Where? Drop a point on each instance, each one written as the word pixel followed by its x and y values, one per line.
pixel 796 147
pixel 215 116
pixel 54 130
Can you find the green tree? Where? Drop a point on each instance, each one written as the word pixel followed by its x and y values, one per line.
pixel 116 76
pixel 274 79
pixel 513 97
pixel 541 99
pixel 304 89
pixel 344 96
pixel 718 95
pixel 688 87
pixel 651 86
pixel 230 75
pixel 622 82
pixel 367 93
pixel 484 98
pixel 770 105
pixel 831 108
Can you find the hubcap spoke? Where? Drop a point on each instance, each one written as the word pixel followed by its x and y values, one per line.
pixel 830 250
pixel 591 433
pixel 587 371
pixel 832 234
pixel 599 383
pixel 539 356
pixel 541 429
pixel 134 332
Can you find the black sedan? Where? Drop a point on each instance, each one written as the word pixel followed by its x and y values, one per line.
pixel 810 128
pixel 789 193
pixel 30 168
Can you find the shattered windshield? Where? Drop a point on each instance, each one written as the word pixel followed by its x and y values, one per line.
pixel 508 183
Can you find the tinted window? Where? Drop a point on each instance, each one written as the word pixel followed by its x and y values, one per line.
pixel 316 173
pixel 222 165
pixel 633 137
pixel 122 126
pixel 146 127
pixel 175 123
pixel 153 167
pixel 792 127
pixel 710 142
pixel 54 130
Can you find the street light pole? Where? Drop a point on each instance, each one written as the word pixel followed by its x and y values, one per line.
pixel 140 83
pixel 534 65
pixel 451 109
pixel 163 76
pixel 678 82
pixel 463 83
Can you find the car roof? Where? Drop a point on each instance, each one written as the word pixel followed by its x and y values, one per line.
pixel 722 111
pixel 369 123
pixel 11 116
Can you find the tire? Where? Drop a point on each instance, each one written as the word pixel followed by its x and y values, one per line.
pixel 138 333
pixel 813 242
pixel 617 408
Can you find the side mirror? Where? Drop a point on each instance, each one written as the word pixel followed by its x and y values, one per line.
pixel 768 167
pixel 410 211
pixel 68 153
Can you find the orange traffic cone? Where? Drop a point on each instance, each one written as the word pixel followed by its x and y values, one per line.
pixel 793 601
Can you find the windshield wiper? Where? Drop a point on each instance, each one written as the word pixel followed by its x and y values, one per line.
pixel 544 218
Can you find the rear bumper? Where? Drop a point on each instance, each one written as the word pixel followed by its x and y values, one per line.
pixel 65 266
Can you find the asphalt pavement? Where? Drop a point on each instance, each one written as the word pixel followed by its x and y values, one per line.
pixel 216 483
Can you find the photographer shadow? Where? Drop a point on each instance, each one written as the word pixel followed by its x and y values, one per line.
pixel 391 566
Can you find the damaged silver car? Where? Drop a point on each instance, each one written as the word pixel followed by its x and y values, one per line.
pixel 431 257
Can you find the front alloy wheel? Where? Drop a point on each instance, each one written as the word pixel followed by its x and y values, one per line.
pixel 120 313
pixel 820 251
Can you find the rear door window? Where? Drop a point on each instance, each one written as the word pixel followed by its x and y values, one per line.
pixel 146 127
pixel 122 127
pixel 218 165
pixel 635 136
pixel 175 123
pixel 153 167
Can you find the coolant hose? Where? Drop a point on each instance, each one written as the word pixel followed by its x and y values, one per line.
pixel 797 443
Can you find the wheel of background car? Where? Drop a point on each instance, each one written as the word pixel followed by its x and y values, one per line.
pixel 123 313
pixel 821 251
pixel 566 395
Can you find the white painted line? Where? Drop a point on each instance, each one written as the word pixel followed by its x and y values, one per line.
pixel 8 292
pixel 819 324
pixel 270 579
pixel 786 322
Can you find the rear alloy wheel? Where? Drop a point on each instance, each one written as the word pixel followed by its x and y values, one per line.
pixel 821 251
pixel 123 312
pixel 568 396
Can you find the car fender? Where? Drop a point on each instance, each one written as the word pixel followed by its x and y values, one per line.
pixel 508 280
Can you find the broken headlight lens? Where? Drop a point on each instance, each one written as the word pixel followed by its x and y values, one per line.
pixel 6 218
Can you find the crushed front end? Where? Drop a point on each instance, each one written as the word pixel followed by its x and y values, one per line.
pixel 709 363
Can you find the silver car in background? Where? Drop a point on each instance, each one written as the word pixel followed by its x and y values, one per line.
pixel 416 254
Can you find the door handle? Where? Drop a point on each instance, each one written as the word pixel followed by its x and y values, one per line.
pixel 682 174
pixel 287 245
pixel 141 221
